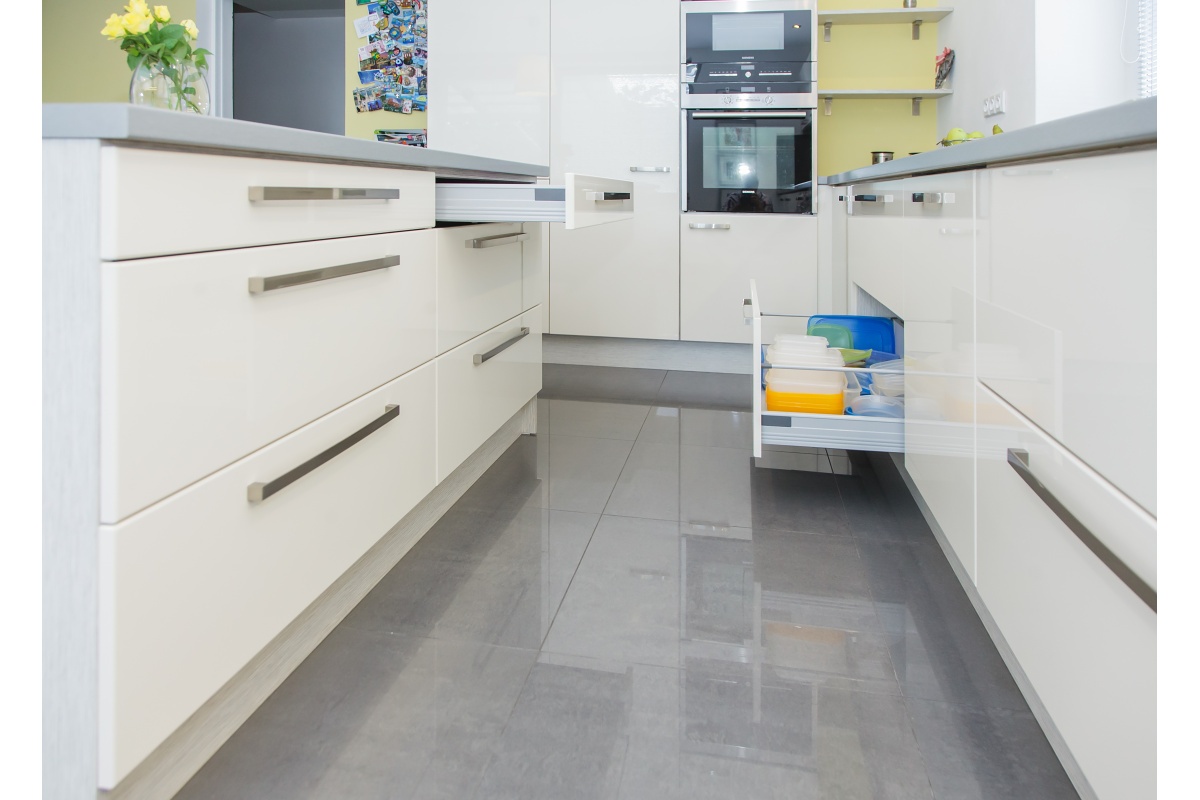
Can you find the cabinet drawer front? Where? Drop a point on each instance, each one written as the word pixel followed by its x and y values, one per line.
pixel 1067 309
pixel 1086 642
pixel 194 587
pixel 198 365
pixel 873 230
pixel 214 208
pixel 479 279
pixel 475 399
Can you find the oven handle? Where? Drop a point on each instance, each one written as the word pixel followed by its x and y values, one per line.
pixel 744 114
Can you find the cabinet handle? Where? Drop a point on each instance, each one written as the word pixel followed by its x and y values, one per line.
pixel 260 194
pixel 1019 461
pixel 596 197
pixel 273 282
pixel 496 241
pixel 479 358
pixel 872 198
pixel 709 226
pixel 649 169
pixel 929 198
pixel 257 492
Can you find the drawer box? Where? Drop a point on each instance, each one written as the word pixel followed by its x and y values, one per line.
pixel 480 386
pixel 873 227
pixel 479 269
pixel 194 587
pixel 1084 639
pixel 198 369
pixel 231 201
pixel 581 202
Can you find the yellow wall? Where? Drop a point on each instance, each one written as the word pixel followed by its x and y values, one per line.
pixel 363 125
pixel 874 57
pixel 78 64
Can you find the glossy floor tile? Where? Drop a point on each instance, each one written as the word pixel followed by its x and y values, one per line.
pixel 626 606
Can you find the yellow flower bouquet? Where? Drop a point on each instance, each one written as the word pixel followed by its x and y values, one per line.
pixel 163 50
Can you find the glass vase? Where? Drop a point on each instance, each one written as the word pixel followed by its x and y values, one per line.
pixel 177 87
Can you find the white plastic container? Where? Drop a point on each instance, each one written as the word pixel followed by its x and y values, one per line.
pixel 803 381
pixel 787 340
pixel 877 406
pixel 887 378
pixel 804 358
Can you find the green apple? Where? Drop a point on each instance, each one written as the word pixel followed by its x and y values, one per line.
pixel 997 129
pixel 975 135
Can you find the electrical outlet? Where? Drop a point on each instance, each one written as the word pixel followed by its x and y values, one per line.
pixel 993 105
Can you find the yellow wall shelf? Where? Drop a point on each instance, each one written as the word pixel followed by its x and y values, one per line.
pixel 881 16
pixel 916 95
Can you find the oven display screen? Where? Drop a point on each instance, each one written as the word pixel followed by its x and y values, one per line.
pixel 759 30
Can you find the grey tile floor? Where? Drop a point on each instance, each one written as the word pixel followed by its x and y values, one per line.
pixel 624 606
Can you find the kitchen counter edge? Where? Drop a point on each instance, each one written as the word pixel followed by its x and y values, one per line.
pixel 121 122
pixel 1123 125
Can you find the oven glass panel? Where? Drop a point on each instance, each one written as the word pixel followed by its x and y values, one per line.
pixel 747 165
pixel 747 32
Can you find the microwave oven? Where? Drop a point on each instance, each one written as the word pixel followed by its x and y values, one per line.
pixel 759 48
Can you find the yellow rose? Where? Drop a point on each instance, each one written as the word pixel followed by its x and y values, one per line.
pixel 162 14
pixel 136 23
pixel 138 7
pixel 113 28
pixel 190 27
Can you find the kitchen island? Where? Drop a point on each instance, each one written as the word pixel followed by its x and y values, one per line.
pixel 265 375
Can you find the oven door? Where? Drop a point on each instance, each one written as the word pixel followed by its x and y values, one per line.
pixel 735 31
pixel 749 161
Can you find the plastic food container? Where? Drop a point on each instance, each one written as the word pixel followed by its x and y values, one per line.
pixel 806 392
pixel 887 378
pixel 838 335
pixel 793 358
pixel 785 340
pixel 868 333
pixel 876 406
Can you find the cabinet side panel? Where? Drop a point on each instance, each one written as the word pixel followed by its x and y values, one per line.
pixel 70 465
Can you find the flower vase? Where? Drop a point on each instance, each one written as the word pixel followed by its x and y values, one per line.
pixel 177 87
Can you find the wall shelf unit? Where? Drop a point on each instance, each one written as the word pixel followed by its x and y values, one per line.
pixel 916 95
pixel 881 16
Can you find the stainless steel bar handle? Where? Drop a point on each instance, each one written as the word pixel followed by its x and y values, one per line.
pixel 1019 461
pixel 497 350
pixel 649 169
pixel 260 194
pixel 868 198
pixel 596 197
pixel 709 226
pixel 496 241
pixel 257 492
pixel 273 282
pixel 751 114
pixel 929 198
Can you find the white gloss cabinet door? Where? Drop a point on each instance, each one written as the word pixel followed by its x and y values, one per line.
pixel 1085 641
pixel 936 258
pixel 874 224
pixel 721 253
pixel 1067 314
pixel 480 279
pixel 615 108
pixel 482 383
pixel 490 94
pixel 200 366
pixel 195 586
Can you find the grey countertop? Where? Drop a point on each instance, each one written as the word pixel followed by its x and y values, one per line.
pixel 122 122
pixel 1124 125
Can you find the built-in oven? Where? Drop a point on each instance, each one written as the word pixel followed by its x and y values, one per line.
pixel 742 160
pixel 747 53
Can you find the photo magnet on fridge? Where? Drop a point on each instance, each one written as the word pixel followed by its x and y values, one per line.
pixel 365 26
pixel 392 101
pixel 372 8
pixel 367 98
pixel 389 7
pixel 406 106
pixel 366 76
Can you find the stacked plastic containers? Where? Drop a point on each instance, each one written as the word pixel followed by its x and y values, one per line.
pixel 807 391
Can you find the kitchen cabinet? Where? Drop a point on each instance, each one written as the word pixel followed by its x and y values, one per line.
pixel 614 110
pixel 1085 641
pixel 490 94
pixel 721 253
pixel 268 437
pixel 1057 232
pixel 1029 430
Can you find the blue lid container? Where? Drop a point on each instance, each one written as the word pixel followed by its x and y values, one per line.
pixel 868 333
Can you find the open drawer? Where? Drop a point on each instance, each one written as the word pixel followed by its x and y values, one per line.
pixel 582 202
pixel 842 432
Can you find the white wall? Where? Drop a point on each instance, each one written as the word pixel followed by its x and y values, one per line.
pixel 1051 58
pixel 290 71
pixel 1081 51
pixel 993 44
